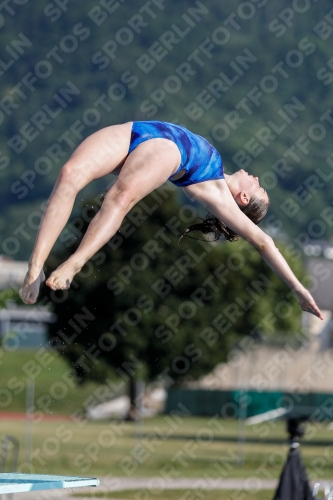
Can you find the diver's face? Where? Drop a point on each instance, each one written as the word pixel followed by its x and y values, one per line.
pixel 250 185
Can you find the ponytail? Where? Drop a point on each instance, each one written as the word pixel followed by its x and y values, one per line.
pixel 255 210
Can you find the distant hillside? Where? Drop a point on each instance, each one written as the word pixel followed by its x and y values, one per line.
pixel 255 78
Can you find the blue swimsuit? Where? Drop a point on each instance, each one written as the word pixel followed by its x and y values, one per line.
pixel 200 160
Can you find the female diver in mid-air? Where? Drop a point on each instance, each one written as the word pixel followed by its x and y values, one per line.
pixel 144 155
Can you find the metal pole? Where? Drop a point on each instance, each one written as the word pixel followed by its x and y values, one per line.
pixel 243 396
pixel 139 393
pixel 29 413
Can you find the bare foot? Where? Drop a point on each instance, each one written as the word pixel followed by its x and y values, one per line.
pixel 30 288
pixel 62 277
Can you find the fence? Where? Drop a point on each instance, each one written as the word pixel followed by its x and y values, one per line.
pixel 228 404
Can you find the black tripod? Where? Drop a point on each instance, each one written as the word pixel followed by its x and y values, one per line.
pixel 294 483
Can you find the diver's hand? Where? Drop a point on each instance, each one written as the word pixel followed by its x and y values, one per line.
pixel 307 303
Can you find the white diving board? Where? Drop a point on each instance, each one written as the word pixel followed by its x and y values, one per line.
pixel 14 482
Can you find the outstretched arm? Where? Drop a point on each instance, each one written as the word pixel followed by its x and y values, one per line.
pixel 275 260
pixel 219 201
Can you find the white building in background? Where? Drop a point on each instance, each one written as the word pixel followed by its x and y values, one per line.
pixel 21 326
pixel 321 272
pixel 24 326
pixel 12 272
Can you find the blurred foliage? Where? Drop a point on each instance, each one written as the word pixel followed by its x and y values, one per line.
pixel 9 295
pixel 95 50
pixel 150 307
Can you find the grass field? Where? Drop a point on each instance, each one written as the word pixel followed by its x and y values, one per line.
pixel 165 446
pixel 171 447
pixel 55 388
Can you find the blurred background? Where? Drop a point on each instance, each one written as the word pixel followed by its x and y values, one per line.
pixel 159 344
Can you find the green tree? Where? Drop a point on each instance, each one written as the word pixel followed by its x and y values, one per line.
pixel 9 295
pixel 150 307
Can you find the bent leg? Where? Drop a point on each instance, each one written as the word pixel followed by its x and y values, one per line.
pixel 146 168
pixel 97 156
